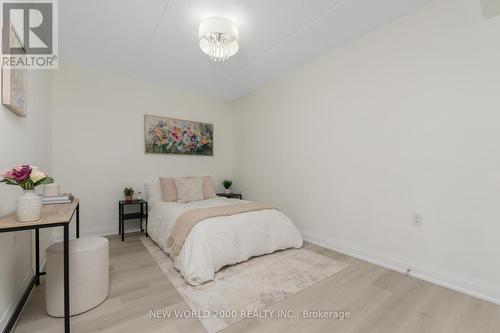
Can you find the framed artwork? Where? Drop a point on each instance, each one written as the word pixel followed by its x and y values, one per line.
pixel 14 82
pixel 175 136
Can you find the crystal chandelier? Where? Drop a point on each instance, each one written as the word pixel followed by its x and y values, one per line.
pixel 219 38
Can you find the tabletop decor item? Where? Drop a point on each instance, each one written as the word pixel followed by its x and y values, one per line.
pixel 138 195
pixel 62 198
pixel 29 205
pixel 175 136
pixel 129 193
pixel 52 190
pixel 227 186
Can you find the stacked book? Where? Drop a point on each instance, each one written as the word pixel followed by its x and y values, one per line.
pixel 60 199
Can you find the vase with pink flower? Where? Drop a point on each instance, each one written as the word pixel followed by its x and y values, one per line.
pixel 29 205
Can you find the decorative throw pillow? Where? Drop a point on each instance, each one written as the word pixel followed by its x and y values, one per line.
pixel 208 188
pixel 153 191
pixel 168 189
pixel 189 189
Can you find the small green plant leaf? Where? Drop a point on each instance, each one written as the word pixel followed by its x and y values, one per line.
pixel 8 182
pixel 46 180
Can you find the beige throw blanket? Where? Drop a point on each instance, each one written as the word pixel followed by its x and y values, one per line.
pixel 187 220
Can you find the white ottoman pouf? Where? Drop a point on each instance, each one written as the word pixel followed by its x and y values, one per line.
pixel 88 275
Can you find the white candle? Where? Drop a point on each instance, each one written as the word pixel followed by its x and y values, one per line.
pixel 52 190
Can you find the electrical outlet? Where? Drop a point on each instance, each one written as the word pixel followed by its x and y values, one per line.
pixel 417 219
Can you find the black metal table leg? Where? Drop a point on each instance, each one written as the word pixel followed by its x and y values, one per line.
pixel 119 218
pixel 142 213
pixel 122 224
pixel 66 279
pixel 78 221
pixel 37 256
pixel 147 214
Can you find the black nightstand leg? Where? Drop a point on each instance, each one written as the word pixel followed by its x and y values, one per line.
pixel 142 213
pixel 147 216
pixel 119 219
pixel 122 224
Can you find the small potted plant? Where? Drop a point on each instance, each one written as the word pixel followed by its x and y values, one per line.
pixel 29 205
pixel 227 186
pixel 129 193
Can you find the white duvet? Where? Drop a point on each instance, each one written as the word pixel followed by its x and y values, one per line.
pixel 220 241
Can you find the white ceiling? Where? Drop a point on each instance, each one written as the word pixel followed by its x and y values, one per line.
pixel 157 40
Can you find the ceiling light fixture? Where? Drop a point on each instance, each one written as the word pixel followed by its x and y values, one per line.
pixel 219 38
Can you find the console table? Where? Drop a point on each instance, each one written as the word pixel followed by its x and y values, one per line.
pixel 57 215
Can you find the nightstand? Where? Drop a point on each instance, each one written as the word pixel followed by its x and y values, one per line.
pixel 122 216
pixel 231 195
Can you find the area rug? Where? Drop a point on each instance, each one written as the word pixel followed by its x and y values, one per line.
pixel 249 287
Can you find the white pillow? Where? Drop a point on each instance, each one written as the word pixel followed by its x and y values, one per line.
pixel 153 191
pixel 189 189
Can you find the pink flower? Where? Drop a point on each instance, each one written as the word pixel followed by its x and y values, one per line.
pixel 175 137
pixel 8 174
pixel 21 172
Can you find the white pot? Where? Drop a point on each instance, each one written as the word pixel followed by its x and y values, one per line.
pixel 227 191
pixel 29 207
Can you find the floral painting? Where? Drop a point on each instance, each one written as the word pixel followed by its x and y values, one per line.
pixel 175 136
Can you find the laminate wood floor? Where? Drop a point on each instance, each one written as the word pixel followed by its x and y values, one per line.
pixel 379 300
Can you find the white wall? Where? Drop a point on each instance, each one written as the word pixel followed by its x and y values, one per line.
pixel 22 140
pixel 98 136
pixel 403 120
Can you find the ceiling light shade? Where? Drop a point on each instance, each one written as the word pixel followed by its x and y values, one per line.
pixel 219 38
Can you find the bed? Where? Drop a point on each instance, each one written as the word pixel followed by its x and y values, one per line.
pixel 218 241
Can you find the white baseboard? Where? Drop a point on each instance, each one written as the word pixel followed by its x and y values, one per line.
pixel 13 303
pixel 457 284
